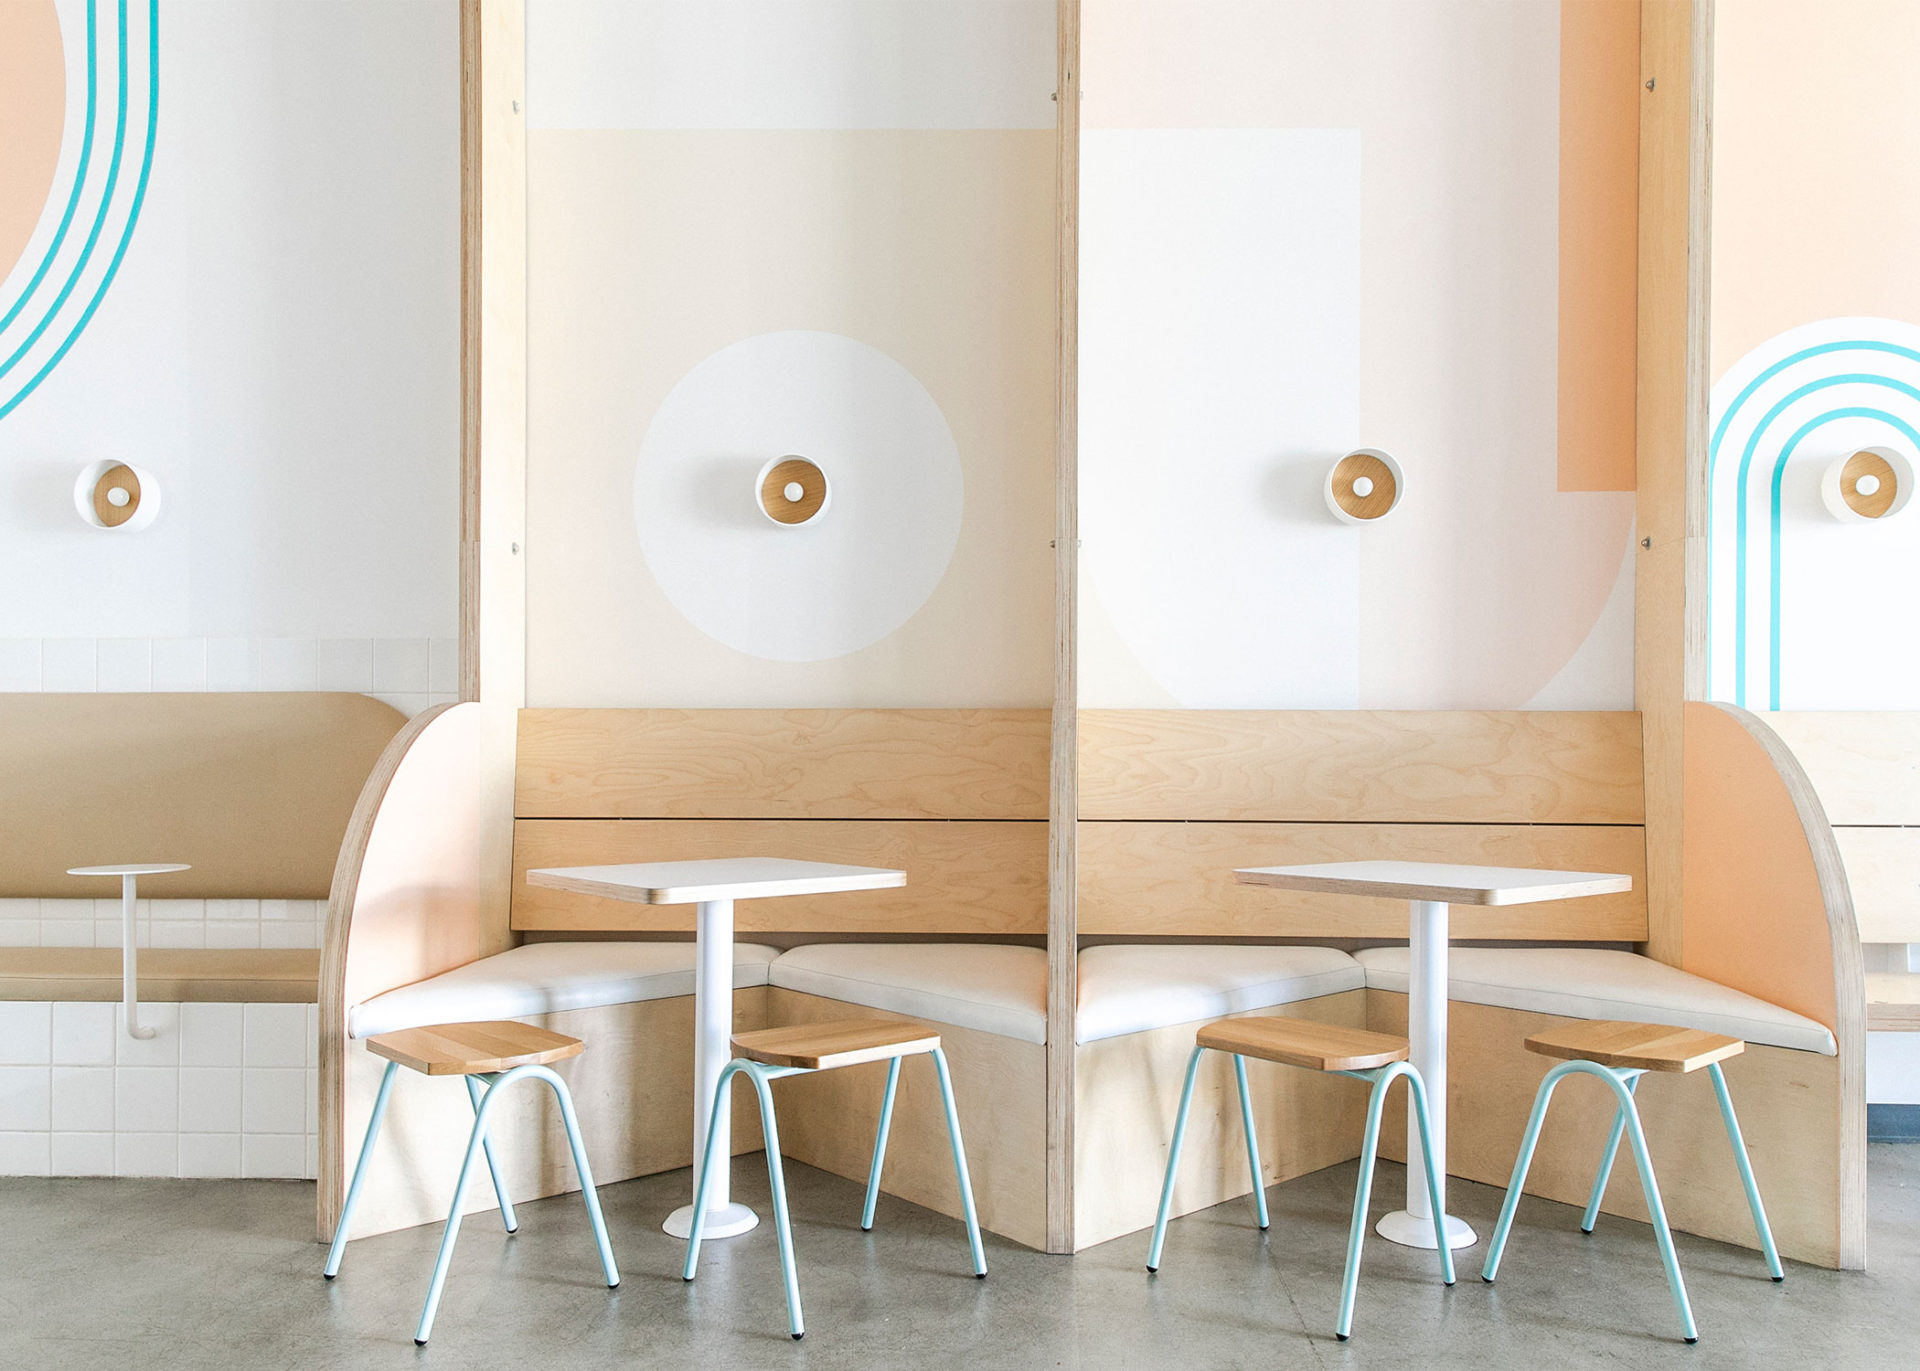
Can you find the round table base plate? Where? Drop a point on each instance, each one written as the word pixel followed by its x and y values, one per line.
pixel 1408 1231
pixel 730 1222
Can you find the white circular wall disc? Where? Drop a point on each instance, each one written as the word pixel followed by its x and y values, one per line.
pixel 834 585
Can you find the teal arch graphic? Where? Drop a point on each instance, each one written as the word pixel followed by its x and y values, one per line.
pixel 1742 497
pixel 17 382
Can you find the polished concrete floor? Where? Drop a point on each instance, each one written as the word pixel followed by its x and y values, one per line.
pixel 199 1274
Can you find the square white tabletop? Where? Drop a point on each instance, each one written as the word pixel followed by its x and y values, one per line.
pixel 725 878
pixel 1441 881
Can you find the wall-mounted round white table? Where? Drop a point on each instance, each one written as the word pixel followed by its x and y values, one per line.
pixel 713 886
pixel 130 948
pixel 1429 888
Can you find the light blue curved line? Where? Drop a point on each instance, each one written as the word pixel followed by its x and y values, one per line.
pixel 79 179
pixel 1746 391
pixel 99 218
pixel 1779 476
pixel 133 214
pixel 1740 507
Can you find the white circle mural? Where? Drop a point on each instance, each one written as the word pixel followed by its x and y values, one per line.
pixel 835 583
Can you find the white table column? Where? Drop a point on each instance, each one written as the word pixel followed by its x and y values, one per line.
pixel 1427 1039
pixel 712 1049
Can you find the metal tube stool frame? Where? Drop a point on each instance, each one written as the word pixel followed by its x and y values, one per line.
pixel 762 1074
pixel 478 1141
pixel 1379 1078
pixel 1624 1080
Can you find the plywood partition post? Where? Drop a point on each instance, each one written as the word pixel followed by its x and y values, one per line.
pixel 1676 43
pixel 1062 923
pixel 493 432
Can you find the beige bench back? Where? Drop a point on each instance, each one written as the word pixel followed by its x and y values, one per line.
pixel 254 790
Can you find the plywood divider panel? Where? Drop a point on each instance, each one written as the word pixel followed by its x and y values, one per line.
pixel 1127 1091
pixel 1456 766
pixel 1158 879
pixel 782 764
pixel 1864 766
pixel 1790 1108
pixel 1883 876
pixel 983 878
pixel 999 1086
pixel 632 1089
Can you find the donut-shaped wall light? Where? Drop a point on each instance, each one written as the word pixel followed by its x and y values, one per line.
pixel 792 491
pixel 1871 483
pixel 113 495
pixel 1363 486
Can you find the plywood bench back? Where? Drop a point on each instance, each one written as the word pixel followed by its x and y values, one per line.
pixel 254 790
pixel 1172 800
pixel 1865 767
pixel 956 798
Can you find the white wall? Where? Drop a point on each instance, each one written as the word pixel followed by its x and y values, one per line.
pixel 280 348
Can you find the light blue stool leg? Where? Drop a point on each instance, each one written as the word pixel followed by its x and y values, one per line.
pixel 880 1146
pixel 451 1233
pixel 595 1219
pixel 339 1248
pixel 1362 1192
pixel 777 1180
pixel 1253 1143
pixel 959 1164
pixel 697 1233
pixel 1173 1161
pixel 1655 1208
pixel 1592 1216
pixel 1518 1182
pixel 507 1216
pixel 1746 1172
pixel 1417 1092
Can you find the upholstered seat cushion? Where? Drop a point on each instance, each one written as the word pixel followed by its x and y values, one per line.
pixel 1130 988
pixel 1593 983
pixel 984 986
pixel 543 978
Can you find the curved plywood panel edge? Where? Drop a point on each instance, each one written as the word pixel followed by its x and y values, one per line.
pixel 406 901
pixel 1765 908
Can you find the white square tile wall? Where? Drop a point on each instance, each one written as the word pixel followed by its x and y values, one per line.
pixel 164 923
pixel 222 1090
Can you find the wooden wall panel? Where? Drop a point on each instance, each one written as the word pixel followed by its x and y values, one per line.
pixel 979 878
pixel 1156 879
pixel 1883 874
pixel 782 764
pixel 1864 766
pixel 1361 766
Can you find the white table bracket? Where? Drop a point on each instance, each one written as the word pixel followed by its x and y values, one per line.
pixel 129 935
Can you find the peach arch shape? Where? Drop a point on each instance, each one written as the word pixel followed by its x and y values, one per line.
pixel 33 111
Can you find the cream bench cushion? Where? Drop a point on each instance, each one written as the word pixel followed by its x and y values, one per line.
pixel 1134 987
pixel 544 978
pixel 985 986
pixel 1594 983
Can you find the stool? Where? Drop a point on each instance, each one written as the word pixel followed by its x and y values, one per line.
pixel 771 1054
pixel 1376 1058
pixel 497 1053
pixel 1620 1054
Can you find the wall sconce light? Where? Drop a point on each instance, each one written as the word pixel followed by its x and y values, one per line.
pixel 1871 483
pixel 792 491
pixel 113 495
pixel 1363 486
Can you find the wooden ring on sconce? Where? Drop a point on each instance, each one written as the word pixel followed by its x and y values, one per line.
pixel 792 491
pixel 1870 483
pixel 113 495
pixel 1363 486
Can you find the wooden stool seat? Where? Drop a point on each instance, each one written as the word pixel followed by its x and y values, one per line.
pixel 1635 1046
pixel 838 1042
pixel 474 1049
pixel 1304 1043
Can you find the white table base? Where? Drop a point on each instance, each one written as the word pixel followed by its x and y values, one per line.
pixel 712 1049
pixel 1427 1036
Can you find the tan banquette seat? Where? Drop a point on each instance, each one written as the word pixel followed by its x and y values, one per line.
pixel 253 790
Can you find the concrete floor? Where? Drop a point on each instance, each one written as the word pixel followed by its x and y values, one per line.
pixel 190 1274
